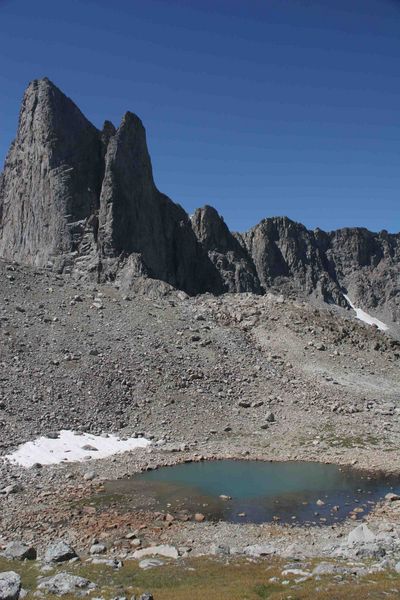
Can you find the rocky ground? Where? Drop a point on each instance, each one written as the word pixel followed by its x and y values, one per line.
pixel 233 376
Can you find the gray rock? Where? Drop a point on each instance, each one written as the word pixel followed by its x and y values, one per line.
pixel 13 488
pixel 220 549
pixel 51 178
pixel 10 585
pixel 98 549
pixel 150 563
pixel 390 497
pixel 370 550
pixel 81 200
pixel 162 550
pixel 265 549
pixel 59 551
pixel 65 583
pixel 108 562
pixel 229 256
pixel 327 568
pixel 19 551
pixel 360 534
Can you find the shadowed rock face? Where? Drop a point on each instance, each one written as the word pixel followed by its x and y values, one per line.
pixel 135 217
pixel 285 252
pixel 368 265
pixel 225 252
pixel 84 201
pixel 365 264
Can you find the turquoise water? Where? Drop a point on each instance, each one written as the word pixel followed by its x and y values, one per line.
pixel 261 491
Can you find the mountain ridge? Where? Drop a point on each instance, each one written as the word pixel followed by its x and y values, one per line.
pixel 83 201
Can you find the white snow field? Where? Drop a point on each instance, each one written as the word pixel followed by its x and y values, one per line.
pixel 363 316
pixel 72 447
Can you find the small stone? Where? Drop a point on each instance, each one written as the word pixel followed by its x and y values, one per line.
pixel 199 517
pixel 98 549
pixel 392 497
pixel 220 550
pixel 14 488
pixel 149 563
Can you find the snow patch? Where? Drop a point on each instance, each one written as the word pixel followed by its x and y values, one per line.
pixel 70 447
pixel 365 317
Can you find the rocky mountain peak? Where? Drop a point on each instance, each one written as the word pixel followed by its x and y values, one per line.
pixel 84 201
pixel 81 200
pixel 51 176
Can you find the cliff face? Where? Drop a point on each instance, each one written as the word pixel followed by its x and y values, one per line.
pixel 368 266
pixel 84 201
pixel 134 217
pixel 285 252
pixel 51 177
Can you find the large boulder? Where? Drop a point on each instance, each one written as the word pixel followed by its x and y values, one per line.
pixel 19 551
pixel 65 583
pixel 360 535
pixel 58 552
pixel 10 585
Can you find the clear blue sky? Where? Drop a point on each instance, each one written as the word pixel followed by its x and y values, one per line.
pixel 258 107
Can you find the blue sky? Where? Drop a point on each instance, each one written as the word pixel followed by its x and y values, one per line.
pixel 260 108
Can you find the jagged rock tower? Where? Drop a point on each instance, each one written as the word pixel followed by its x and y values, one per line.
pixel 82 200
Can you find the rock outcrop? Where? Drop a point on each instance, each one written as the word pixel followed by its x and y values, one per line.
pixel 367 265
pixel 287 254
pixel 83 201
pixel 225 251
pixel 134 217
pixel 363 264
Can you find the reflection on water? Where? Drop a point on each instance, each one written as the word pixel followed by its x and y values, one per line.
pixel 291 492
